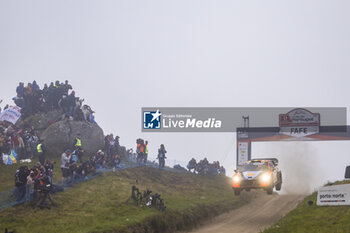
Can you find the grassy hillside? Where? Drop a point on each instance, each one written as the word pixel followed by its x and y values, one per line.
pixel 306 218
pixel 104 205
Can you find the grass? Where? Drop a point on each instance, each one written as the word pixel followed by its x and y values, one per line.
pixel 306 218
pixel 103 204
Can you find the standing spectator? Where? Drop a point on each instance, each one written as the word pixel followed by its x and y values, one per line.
pixel 64 105
pixel 14 140
pixel 32 141
pixel 66 87
pixel 29 186
pixel 65 162
pixel 77 141
pixel 87 111
pixel 146 153
pixel 41 152
pixel 71 104
pixel 111 143
pixel 117 146
pixel 46 97
pixel 2 145
pixel 29 89
pixel 35 86
pixel 20 182
pixel 106 143
pixel 161 155
pixel 140 150
pixel 20 90
pixel 78 147
pixel 51 96
pixel 49 169
pixel 21 147
pixel 57 94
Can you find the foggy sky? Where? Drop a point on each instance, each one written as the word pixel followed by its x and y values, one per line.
pixel 124 55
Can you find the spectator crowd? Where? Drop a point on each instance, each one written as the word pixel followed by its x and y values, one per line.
pixel 203 167
pixel 21 141
pixel 60 96
pixel 32 99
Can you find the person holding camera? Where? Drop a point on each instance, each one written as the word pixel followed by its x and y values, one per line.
pixel 43 186
pixel 161 155
pixel 20 182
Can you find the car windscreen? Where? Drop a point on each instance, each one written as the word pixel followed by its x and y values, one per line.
pixel 253 167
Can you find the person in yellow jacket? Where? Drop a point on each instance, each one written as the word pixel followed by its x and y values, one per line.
pixel 78 146
pixel 41 152
pixel 145 157
pixel 77 141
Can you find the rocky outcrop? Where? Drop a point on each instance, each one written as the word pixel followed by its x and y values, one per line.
pixel 41 121
pixel 60 136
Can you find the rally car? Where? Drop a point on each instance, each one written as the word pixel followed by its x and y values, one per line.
pixel 257 174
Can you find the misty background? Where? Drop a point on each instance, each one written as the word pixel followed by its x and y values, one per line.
pixel 123 55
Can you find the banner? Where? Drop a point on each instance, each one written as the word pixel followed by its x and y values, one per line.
pixel 13 157
pixel 12 114
pixel 9 159
pixel 334 195
pixel 242 152
pixel 228 119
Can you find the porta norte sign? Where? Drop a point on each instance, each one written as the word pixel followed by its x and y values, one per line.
pixel 334 195
pixel 299 123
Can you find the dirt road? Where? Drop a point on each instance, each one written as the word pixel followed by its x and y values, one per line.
pixel 261 212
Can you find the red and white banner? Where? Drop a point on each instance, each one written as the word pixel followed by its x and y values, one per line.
pixel 12 114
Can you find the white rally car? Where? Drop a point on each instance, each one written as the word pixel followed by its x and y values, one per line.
pixel 257 174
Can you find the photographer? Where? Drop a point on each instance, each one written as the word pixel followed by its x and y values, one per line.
pixel 161 155
pixel 49 169
pixel 43 186
pixel 20 182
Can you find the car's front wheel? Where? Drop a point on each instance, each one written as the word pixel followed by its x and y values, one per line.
pixel 269 190
pixel 237 192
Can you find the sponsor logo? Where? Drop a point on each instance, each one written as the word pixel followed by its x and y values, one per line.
pixel 152 119
pixel 191 123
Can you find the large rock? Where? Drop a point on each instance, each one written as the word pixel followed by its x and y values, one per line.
pixel 40 120
pixel 60 136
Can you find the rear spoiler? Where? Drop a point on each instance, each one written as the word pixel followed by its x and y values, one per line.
pixel 273 160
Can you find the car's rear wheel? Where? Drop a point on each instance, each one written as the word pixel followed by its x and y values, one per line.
pixel 237 192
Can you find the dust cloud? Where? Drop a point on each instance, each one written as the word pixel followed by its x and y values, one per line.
pixel 298 161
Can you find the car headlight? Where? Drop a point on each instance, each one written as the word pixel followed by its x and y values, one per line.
pixel 265 178
pixel 236 178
